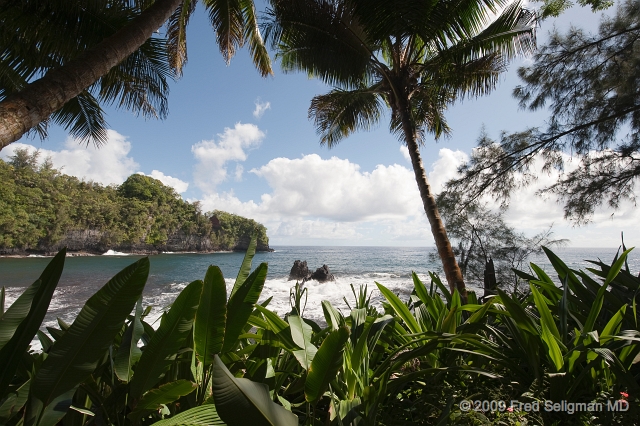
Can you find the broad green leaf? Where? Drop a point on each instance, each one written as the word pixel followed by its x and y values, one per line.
pixel 400 308
pixel 615 268
pixel 360 348
pixel 21 321
pixel 332 315
pixel 552 347
pixel 164 394
pixel 449 324
pixel 545 314
pixel 245 268
pixel 205 415
pixel 74 356
pixel 242 402
pixel 211 316
pixel 45 340
pixel 518 314
pixel 14 402
pixel 326 364
pixel 129 352
pixel 169 338
pixel 612 327
pixel 275 323
pixel 301 333
pixel 445 291
pixel 240 305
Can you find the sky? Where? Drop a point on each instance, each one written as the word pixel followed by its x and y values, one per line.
pixel 242 143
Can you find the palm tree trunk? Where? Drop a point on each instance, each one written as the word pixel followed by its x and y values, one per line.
pixel 452 271
pixel 23 110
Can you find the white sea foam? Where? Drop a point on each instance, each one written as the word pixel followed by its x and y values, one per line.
pixel 115 253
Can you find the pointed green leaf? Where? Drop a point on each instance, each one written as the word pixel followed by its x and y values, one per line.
pixel 165 394
pixel 517 312
pixel 21 321
pixel 613 326
pixel 401 309
pixel 241 304
pixel 326 364
pixel 128 352
pixel 211 316
pixel 545 314
pixel 205 415
pixel 243 402
pixel 169 338
pixel 615 268
pixel 74 356
pixel 301 333
pixel 245 268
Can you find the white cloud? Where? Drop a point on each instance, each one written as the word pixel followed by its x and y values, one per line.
pixel 405 153
pixel 238 173
pixel 261 108
pixel 336 189
pixel 212 156
pixel 179 185
pixel 109 164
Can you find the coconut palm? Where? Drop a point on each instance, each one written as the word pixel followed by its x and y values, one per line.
pixel 414 56
pixel 63 58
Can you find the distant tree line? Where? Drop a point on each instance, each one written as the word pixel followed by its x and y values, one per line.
pixel 40 206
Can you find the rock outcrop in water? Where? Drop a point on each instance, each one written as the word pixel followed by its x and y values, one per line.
pixel 300 272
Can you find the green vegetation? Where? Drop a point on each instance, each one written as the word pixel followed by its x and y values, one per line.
pixel 218 360
pixel 415 58
pixel 42 209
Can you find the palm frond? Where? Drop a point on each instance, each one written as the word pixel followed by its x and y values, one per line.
pixel 257 47
pixel 83 118
pixel 228 23
pixel 322 38
pixel 177 35
pixel 340 113
pixel 140 82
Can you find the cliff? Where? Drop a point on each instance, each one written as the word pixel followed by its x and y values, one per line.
pixel 43 210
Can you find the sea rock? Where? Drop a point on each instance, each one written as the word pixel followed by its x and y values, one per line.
pixel 299 271
pixel 322 274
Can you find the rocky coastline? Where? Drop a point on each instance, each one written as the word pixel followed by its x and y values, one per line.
pixel 95 243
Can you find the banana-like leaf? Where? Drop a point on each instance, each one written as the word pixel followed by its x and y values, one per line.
pixel 242 402
pixel 245 268
pixel 208 334
pixel 14 402
pixel 205 415
pixel 169 338
pixel 74 356
pixel 326 364
pixel 400 308
pixel 128 352
pixel 545 314
pixel 301 333
pixel 164 394
pixel 240 305
pixel 20 323
pixel 332 315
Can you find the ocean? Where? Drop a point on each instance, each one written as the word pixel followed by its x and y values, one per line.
pixel 170 273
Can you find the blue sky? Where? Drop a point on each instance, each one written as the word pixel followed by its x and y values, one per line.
pixel 242 143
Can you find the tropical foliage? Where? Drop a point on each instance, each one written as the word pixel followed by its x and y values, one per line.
pixel 221 357
pixel 42 208
pixel 415 58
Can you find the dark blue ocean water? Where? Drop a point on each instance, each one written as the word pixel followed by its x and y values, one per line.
pixel 390 266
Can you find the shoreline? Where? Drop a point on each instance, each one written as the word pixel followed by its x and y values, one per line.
pixel 36 255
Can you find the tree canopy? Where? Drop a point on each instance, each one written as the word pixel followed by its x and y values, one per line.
pixel 590 84
pixel 40 207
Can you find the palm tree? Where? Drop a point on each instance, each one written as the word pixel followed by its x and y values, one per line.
pixel 415 57
pixel 113 57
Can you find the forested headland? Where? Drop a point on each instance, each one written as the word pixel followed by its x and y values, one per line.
pixel 43 210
